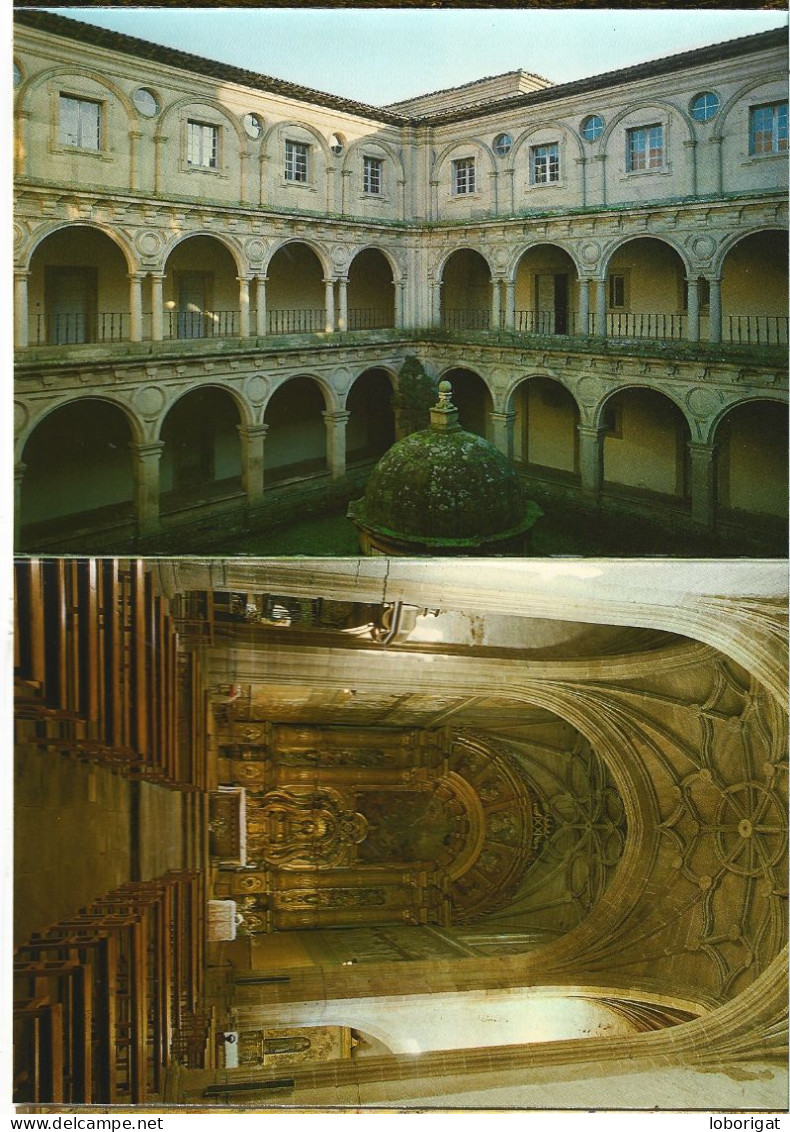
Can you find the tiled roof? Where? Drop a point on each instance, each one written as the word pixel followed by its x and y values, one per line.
pixel 141 48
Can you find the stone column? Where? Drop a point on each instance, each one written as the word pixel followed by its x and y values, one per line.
pixel 502 424
pixel 496 304
pixel 260 309
pixel 19 475
pixel 252 438
pixel 342 300
pixel 510 304
pixel 703 484
pixel 436 293
pixel 591 459
pixel 335 421
pixel 714 319
pixel 600 308
pixel 157 309
pixel 692 291
pixel 584 307
pixel 244 306
pixel 145 459
pixel 399 286
pixel 329 305
pixel 135 307
pixel 21 326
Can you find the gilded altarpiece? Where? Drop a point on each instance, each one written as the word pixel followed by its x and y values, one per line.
pixel 350 826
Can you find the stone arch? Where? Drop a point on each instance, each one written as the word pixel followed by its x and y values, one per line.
pixel 645 446
pixel 202 447
pixel 78 463
pixel 228 243
pixel 752 267
pixel 614 248
pixel 281 128
pixel 296 444
pixel 549 124
pixel 645 292
pixel 522 250
pixel 472 397
pixel 42 234
pixel 444 154
pixel 373 143
pixel 200 289
pixel 173 108
pixel 545 276
pixel 370 430
pixel 667 108
pixel 371 290
pixel 42 77
pixel 751 438
pixel 243 408
pixel 732 102
pixel 395 266
pixel 466 292
pixel 545 425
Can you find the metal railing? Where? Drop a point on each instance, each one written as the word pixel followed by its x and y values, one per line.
pixel 296 321
pixel 548 322
pixel 756 329
pixel 202 324
pixel 78 327
pixel 622 324
pixel 466 320
pixel 372 318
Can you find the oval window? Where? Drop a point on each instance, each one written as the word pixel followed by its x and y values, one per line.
pixel 592 127
pixel 705 106
pixel 253 126
pixel 503 143
pixel 146 102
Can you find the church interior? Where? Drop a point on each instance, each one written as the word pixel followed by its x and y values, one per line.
pixel 400 833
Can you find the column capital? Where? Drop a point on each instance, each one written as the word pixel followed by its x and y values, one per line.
pixel 336 416
pixel 699 449
pixel 136 276
pixel 147 448
pixel 594 432
pixel 505 417
pixel 251 432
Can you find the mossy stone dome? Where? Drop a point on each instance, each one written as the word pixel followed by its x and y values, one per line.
pixel 444 484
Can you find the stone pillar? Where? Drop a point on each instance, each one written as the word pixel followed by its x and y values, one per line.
pixel 496 305
pixel 692 291
pixel 260 309
pixel 146 485
pixel 342 300
pixel 703 484
pixel 502 424
pixel 584 307
pixel 21 328
pixel 135 307
pixel 157 310
pixel 437 303
pixel 335 422
pixel 244 306
pixel 510 304
pixel 715 310
pixel 252 438
pixel 399 286
pixel 19 475
pixel 329 305
pixel 591 459
pixel 600 308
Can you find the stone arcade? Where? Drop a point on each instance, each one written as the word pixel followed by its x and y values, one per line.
pixel 220 274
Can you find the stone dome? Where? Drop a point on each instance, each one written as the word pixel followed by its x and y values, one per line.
pixel 443 488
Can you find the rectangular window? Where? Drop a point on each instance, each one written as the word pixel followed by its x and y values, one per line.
pixel 768 128
pixel 616 292
pixel 202 145
pixel 464 176
pixel 372 175
pixel 645 148
pixel 80 122
pixel 545 163
pixel 296 161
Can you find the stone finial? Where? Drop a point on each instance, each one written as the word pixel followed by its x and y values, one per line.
pixel 444 415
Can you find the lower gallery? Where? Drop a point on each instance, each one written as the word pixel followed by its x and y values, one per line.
pixel 405 834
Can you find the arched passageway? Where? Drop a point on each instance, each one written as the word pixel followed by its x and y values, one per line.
pixel 546 293
pixel 752 459
pixel 646 444
pixel 371 424
pixel 78 469
pixel 201 457
pixel 296 439
pixel 371 293
pixel 295 291
pixel 201 291
pixel 78 289
pixel 472 400
pixel 466 292
pixel 754 295
pixel 545 432
pixel 646 296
